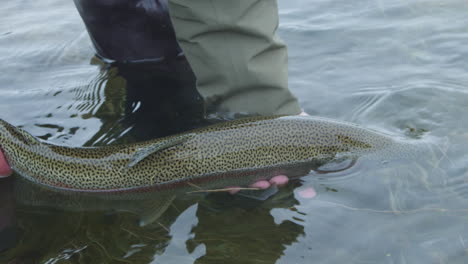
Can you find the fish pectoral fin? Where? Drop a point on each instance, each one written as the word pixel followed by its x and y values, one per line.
pixel 337 165
pixel 260 195
pixel 152 210
pixel 144 152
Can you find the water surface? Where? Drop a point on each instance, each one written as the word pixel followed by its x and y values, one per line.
pixel 395 66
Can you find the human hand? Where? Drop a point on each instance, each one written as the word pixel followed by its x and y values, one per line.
pixel 5 169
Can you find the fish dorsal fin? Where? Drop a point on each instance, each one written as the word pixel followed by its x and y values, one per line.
pixel 144 152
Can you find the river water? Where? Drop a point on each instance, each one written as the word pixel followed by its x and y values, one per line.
pixel 395 66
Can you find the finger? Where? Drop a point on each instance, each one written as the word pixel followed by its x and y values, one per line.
pixel 307 192
pixel 5 169
pixel 234 190
pixel 261 185
pixel 279 180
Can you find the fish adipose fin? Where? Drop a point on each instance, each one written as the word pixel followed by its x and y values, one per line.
pixel 144 152
pixel 152 210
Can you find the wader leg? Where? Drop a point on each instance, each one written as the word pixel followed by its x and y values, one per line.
pixel 239 60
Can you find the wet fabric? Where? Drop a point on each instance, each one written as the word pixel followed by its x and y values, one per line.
pixel 147 100
pixel 129 30
pixel 239 60
pixel 161 98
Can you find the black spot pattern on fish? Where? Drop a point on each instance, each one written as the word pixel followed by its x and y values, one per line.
pixel 240 145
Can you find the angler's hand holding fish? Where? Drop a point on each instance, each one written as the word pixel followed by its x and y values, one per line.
pixel 5 169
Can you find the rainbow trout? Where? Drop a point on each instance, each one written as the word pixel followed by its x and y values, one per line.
pixel 231 153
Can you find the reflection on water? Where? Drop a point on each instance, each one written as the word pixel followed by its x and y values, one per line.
pixel 194 228
pixel 395 66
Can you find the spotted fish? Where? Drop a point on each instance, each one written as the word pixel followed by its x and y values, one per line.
pixel 231 153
